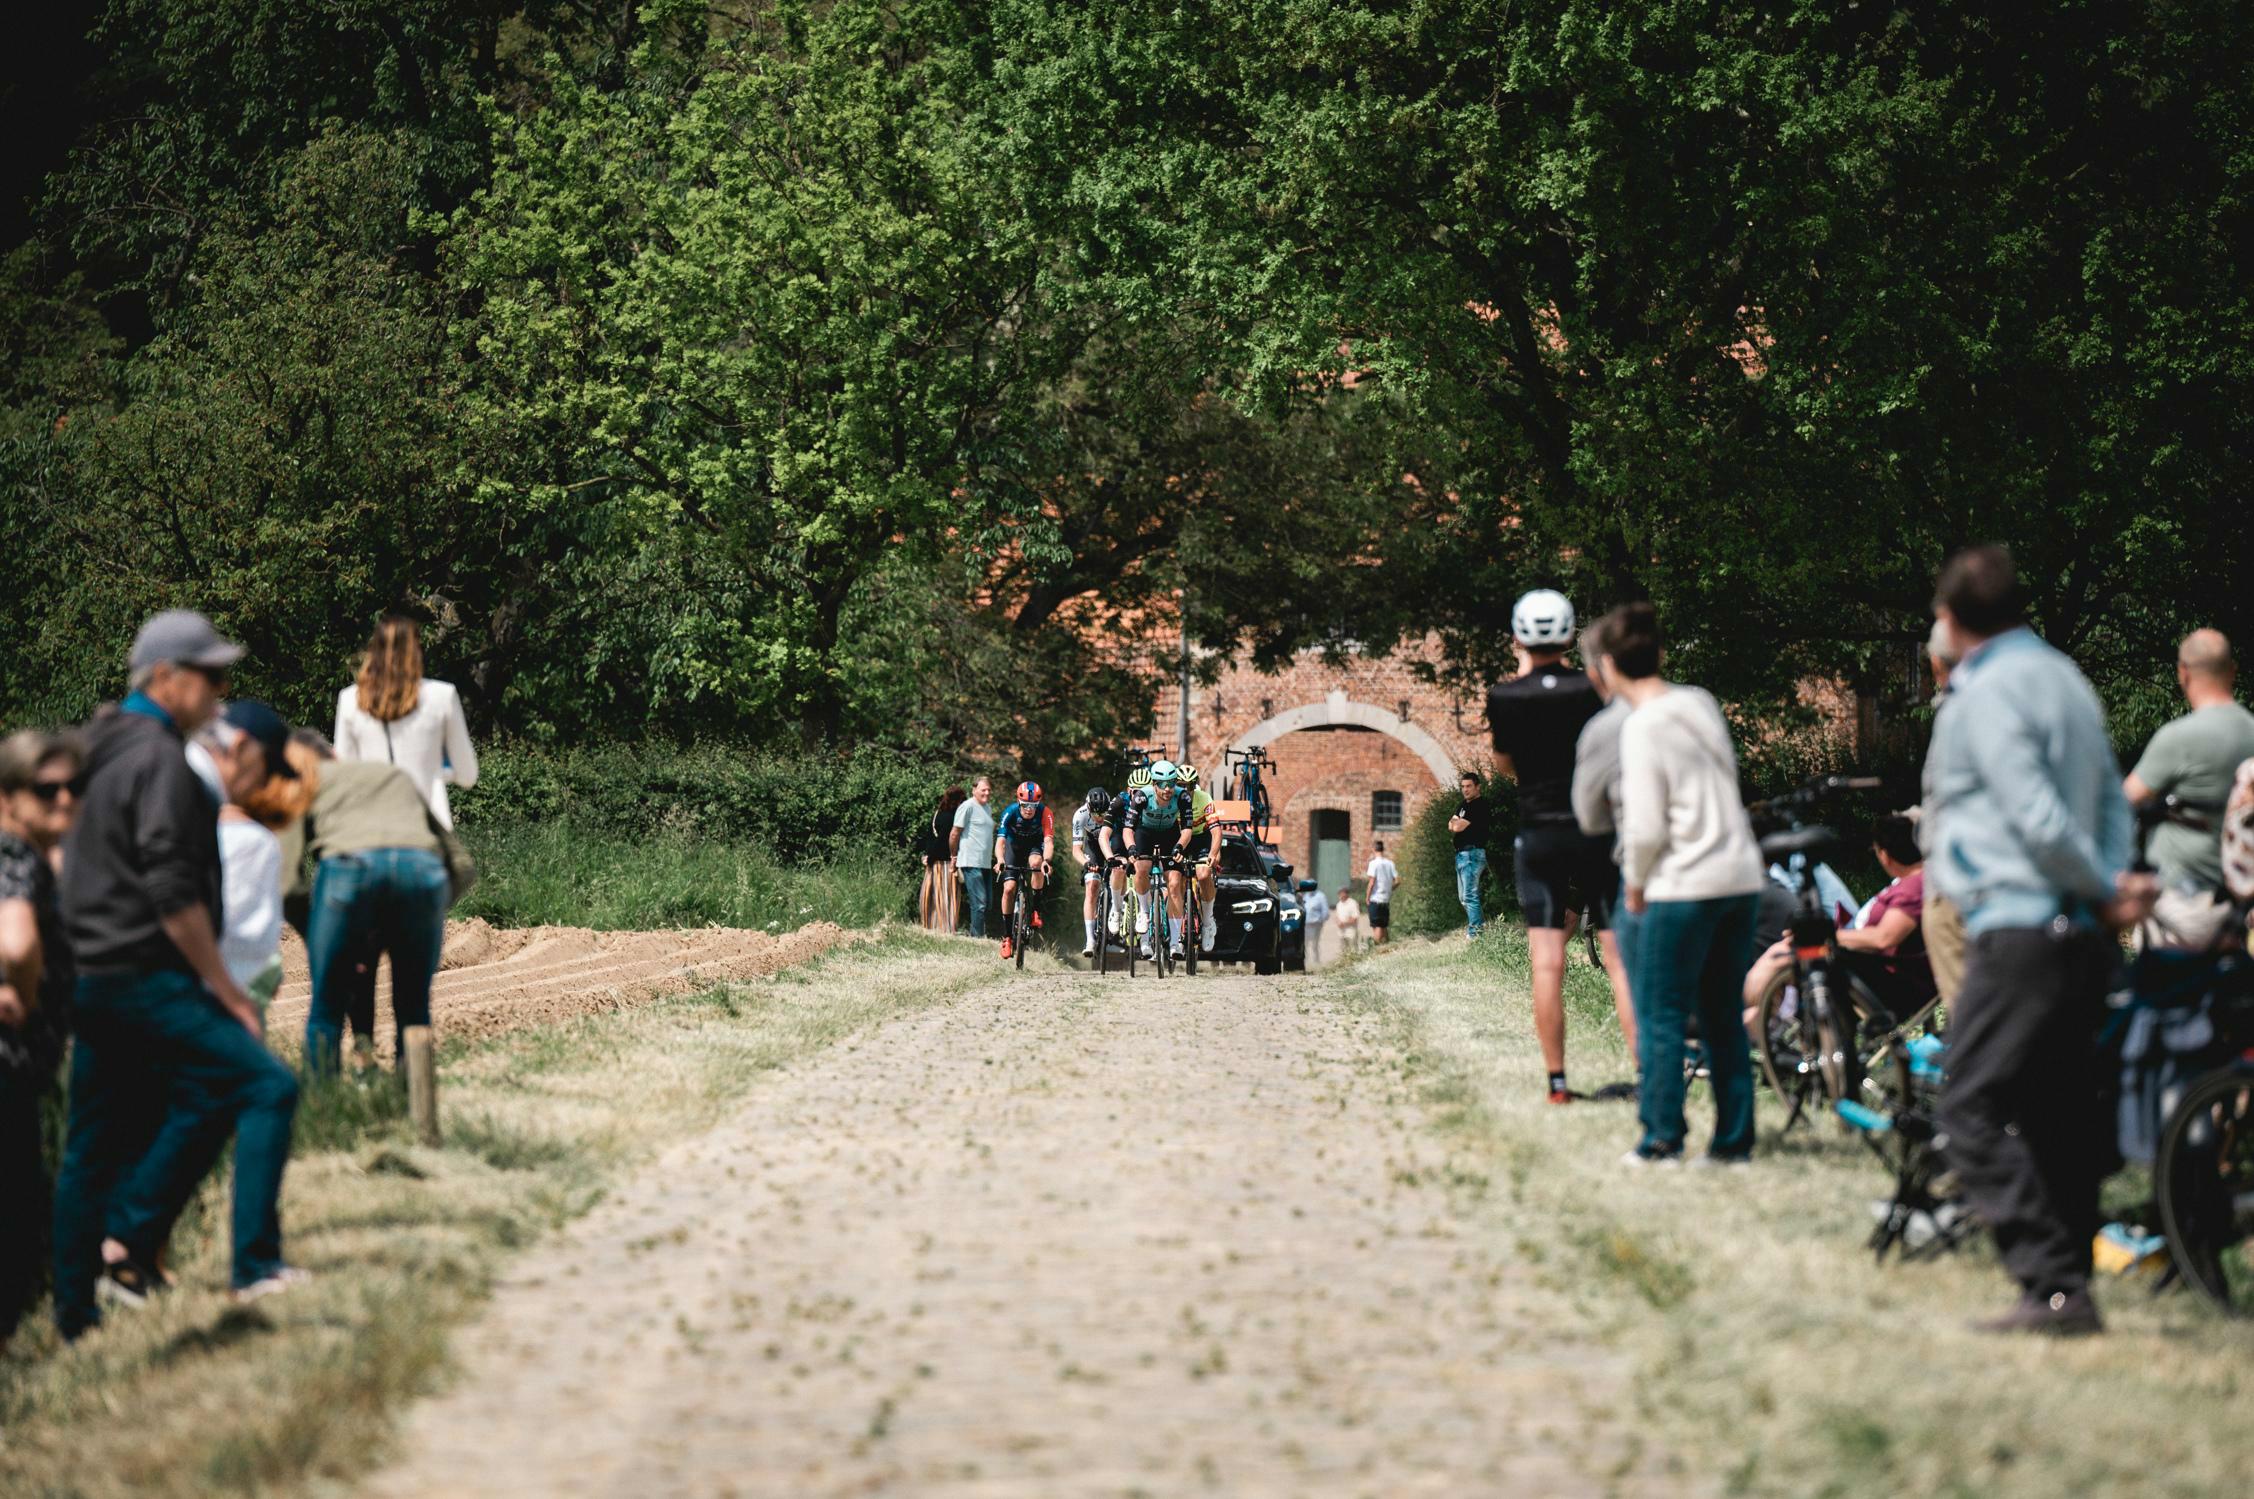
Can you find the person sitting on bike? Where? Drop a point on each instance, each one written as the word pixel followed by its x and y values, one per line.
pixel 1205 849
pixel 1536 720
pixel 1025 838
pixel 1090 822
pixel 1887 951
pixel 1155 818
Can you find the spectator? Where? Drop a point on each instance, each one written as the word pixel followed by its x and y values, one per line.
pixel 2195 758
pixel 39 775
pixel 972 844
pixel 936 903
pixel 1692 873
pixel 1348 914
pixel 1887 951
pixel 1469 829
pixel 265 794
pixel 379 888
pixel 2033 845
pixel 1382 876
pixel 1595 796
pixel 1942 923
pixel 166 1060
pixel 395 714
pixel 1314 912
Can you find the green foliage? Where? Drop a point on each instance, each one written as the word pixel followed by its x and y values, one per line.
pixel 859 804
pixel 1426 853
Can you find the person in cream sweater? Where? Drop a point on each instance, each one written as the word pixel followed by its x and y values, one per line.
pixel 1692 871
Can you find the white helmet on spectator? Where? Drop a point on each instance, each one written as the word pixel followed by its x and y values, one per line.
pixel 1543 617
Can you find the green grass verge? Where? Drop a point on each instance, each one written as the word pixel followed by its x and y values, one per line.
pixel 196 1397
pixel 1769 1349
pixel 558 874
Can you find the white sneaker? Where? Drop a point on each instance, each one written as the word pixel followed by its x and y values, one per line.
pixel 1723 1163
pixel 1637 1160
pixel 1208 935
pixel 288 1278
pixel 1142 921
pixel 1088 951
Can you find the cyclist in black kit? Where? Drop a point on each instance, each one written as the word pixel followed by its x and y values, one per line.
pixel 1536 719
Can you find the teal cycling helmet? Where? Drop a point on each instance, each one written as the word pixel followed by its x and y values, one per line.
pixel 1164 773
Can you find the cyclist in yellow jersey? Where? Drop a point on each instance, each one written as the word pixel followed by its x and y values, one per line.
pixel 1201 824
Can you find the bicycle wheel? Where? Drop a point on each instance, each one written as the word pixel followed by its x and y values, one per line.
pixel 1021 930
pixel 1839 1065
pixel 1785 1063
pixel 1193 928
pixel 2204 1170
pixel 1103 926
pixel 1131 914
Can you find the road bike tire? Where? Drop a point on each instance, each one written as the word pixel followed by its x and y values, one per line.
pixel 1130 914
pixel 1839 1056
pixel 1020 928
pixel 2204 1175
pixel 1193 929
pixel 1103 926
pixel 1778 1052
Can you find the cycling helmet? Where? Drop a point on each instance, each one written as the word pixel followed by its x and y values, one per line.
pixel 1029 791
pixel 1098 800
pixel 1165 773
pixel 1543 617
pixel 1138 778
pixel 1188 773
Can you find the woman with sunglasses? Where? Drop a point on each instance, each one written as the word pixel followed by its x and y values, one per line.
pixel 39 784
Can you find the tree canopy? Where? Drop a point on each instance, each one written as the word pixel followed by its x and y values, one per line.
pixel 905 369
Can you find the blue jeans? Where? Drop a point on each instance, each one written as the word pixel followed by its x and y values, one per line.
pixel 160 1075
pixel 1690 958
pixel 978 888
pixel 1471 865
pixel 385 900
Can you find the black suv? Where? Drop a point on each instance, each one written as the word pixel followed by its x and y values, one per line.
pixel 1289 915
pixel 1249 909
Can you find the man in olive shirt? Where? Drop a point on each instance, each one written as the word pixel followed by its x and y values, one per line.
pixel 2194 759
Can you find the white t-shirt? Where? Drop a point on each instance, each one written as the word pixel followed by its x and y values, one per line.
pixel 250 871
pixel 432 744
pixel 1382 877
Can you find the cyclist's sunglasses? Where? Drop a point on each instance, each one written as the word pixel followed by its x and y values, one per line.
pixel 47 791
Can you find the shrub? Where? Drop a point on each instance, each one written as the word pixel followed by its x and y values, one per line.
pixel 792 805
pixel 1426 901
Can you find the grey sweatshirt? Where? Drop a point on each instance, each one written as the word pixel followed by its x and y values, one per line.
pixel 1596 774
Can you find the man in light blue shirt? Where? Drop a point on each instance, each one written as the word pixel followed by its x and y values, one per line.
pixel 2034 841
pixel 972 843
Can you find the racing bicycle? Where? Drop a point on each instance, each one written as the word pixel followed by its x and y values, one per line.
pixel 1251 768
pixel 1021 920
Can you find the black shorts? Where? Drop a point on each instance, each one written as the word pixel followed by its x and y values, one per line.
pixel 1562 869
pixel 1150 842
pixel 1092 857
pixel 1381 914
pixel 1017 852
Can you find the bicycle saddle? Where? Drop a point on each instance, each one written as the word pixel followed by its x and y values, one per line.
pixel 1778 847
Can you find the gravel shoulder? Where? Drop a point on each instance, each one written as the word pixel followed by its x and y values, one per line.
pixel 1062 1235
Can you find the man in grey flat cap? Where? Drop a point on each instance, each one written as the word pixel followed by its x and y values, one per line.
pixel 168 1059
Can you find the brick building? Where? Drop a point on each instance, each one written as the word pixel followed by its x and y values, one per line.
pixel 1359 749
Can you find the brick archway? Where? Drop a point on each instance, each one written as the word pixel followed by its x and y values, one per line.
pixel 1338 711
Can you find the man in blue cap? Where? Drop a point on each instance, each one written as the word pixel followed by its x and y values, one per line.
pixel 168 1059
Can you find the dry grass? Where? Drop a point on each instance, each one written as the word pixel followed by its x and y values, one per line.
pixel 1769 1347
pixel 196 1397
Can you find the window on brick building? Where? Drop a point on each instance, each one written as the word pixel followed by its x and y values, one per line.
pixel 1385 811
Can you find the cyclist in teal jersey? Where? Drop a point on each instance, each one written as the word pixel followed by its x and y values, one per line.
pixel 1154 822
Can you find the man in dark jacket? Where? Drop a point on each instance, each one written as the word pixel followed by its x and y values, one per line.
pixel 168 1059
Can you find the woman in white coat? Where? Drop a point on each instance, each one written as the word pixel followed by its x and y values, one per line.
pixel 394 713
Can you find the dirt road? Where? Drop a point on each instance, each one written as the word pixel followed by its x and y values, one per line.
pixel 1075 1236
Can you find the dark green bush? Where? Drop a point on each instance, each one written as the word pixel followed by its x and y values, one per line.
pixel 792 805
pixel 1426 901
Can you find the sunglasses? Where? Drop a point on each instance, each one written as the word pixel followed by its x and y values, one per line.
pixel 47 791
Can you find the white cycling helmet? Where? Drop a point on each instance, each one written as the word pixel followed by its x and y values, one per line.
pixel 1543 617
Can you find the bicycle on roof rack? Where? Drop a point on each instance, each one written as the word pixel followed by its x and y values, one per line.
pixel 1251 769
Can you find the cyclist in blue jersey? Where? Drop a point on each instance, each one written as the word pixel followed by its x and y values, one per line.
pixel 1025 838
pixel 1155 821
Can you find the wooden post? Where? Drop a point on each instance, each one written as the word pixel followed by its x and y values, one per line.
pixel 421 1060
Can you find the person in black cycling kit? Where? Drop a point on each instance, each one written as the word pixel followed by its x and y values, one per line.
pixel 1095 830
pixel 1536 719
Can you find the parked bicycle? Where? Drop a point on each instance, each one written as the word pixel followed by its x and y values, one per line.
pixel 1806 1022
pixel 1250 769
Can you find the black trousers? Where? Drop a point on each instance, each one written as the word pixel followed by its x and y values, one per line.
pixel 26 1192
pixel 2023 1105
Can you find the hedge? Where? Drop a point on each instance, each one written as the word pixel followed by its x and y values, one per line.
pixel 1426 900
pixel 792 805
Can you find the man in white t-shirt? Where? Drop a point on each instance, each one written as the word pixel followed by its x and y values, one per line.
pixel 1383 876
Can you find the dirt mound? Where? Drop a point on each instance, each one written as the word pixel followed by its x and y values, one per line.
pixel 493 979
